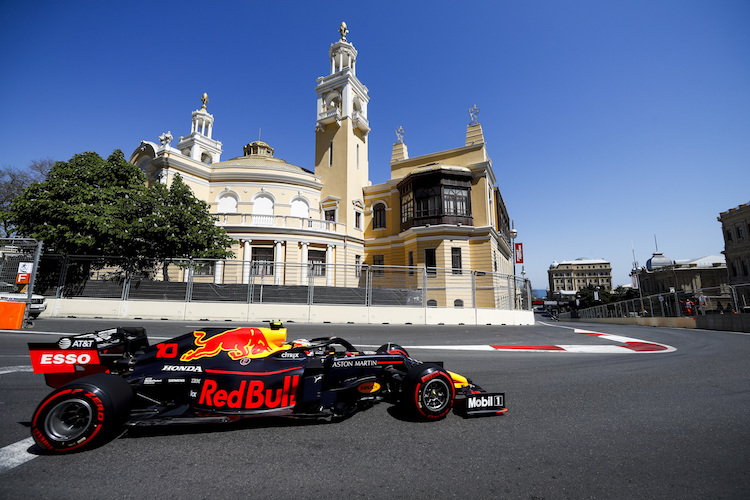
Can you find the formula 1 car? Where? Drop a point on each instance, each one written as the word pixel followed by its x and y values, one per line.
pixel 110 378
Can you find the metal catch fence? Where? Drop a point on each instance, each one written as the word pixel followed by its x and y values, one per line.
pixel 280 282
pixel 19 262
pixel 691 302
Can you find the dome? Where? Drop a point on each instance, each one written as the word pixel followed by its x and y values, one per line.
pixel 656 261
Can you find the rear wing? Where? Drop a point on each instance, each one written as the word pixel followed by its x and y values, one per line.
pixel 76 356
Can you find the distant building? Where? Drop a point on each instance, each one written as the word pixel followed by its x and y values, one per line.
pixel 735 225
pixel 661 274
pixel 569 276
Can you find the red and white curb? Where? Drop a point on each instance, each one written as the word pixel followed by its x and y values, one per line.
pixel 626 345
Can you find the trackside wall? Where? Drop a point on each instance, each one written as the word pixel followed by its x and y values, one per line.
pixel 302 313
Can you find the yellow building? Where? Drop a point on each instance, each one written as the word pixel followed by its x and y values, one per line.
pixel 439 218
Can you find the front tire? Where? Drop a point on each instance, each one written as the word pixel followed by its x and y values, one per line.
pixel 81 414
pixel 428 392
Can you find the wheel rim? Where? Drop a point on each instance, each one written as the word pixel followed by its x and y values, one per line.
pixel 436 395
pixel 68 420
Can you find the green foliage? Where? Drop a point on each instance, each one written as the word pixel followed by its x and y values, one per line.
pixel 183 227
pixel 12 184
pixel 92 206
pixel 587 296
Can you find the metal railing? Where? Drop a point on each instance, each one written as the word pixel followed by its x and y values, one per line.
pixel 725 299
pixel 279 282
pixel 278 221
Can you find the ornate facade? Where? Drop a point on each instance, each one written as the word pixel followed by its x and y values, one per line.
pixel 439 210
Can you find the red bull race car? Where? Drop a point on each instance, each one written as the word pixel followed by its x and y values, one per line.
pixel 111 378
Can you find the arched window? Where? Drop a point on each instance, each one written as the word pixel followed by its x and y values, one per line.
pixel 300 208
pixel 227 203
pixel 263 210
pixel 378 216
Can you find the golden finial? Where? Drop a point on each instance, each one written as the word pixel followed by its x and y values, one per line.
pixel 343 32
pixel 204 100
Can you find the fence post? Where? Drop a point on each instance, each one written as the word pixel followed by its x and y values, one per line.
pixel 310 283
pixel 189 286
pixel 734 299
pixel 474 289
pixel 63 277
pixel 126 283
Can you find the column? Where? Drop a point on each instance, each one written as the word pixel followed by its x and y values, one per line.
pixel 246 257
pixel 278 257
pixel 304 263
pixel 219 272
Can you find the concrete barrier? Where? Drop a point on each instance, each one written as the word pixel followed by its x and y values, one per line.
pixel 300 313
pixel 726 322
pixel 685 322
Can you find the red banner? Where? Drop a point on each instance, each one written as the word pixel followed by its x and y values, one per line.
pixel 519 253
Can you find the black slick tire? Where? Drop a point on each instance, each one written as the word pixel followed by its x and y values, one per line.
pixel 81 414
pixel 428 392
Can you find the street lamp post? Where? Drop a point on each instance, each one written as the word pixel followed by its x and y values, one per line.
pixel 513 234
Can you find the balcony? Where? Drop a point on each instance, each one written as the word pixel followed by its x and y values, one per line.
pixel 227 220
pixel 328 117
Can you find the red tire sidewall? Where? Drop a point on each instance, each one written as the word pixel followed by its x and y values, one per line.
pixel 99 414
pixel 417 395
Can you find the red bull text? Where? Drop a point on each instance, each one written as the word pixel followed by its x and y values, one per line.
pixel 251 394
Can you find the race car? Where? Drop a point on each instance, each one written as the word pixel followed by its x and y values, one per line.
pixel 113 378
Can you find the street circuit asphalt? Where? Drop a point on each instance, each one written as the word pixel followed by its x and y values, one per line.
pixel 620 423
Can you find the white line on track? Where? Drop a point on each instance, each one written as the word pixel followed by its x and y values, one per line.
pixel 15 454
pixel 14 369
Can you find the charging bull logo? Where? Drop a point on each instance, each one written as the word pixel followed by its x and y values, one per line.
pixel 238 343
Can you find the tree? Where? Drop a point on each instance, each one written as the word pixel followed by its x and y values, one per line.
pixel 183 227
pixel 12 184
pixel 587 297
pixel 92 206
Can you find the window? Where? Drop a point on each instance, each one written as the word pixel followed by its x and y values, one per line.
pixel 435 197
pixel 358 265
pixel 227 204
pixel 456 260
pixel 263 210
pixel 300 208
pixel 330 154
pixel 262 261
pixel 407 207
pixel 357 219
pixel 378 260
pixel 729 235
pixel 330 215
pixel 411 263
pixel 203 268
pixel 456 201
pixel 427 202
pixel 740 233
pixel 378 216
pixel 318 260
pixel 430 261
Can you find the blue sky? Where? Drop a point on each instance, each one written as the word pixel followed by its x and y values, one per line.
pixel 608 122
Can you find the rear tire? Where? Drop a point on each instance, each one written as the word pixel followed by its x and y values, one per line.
pixel 428 392
pixel 81 414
